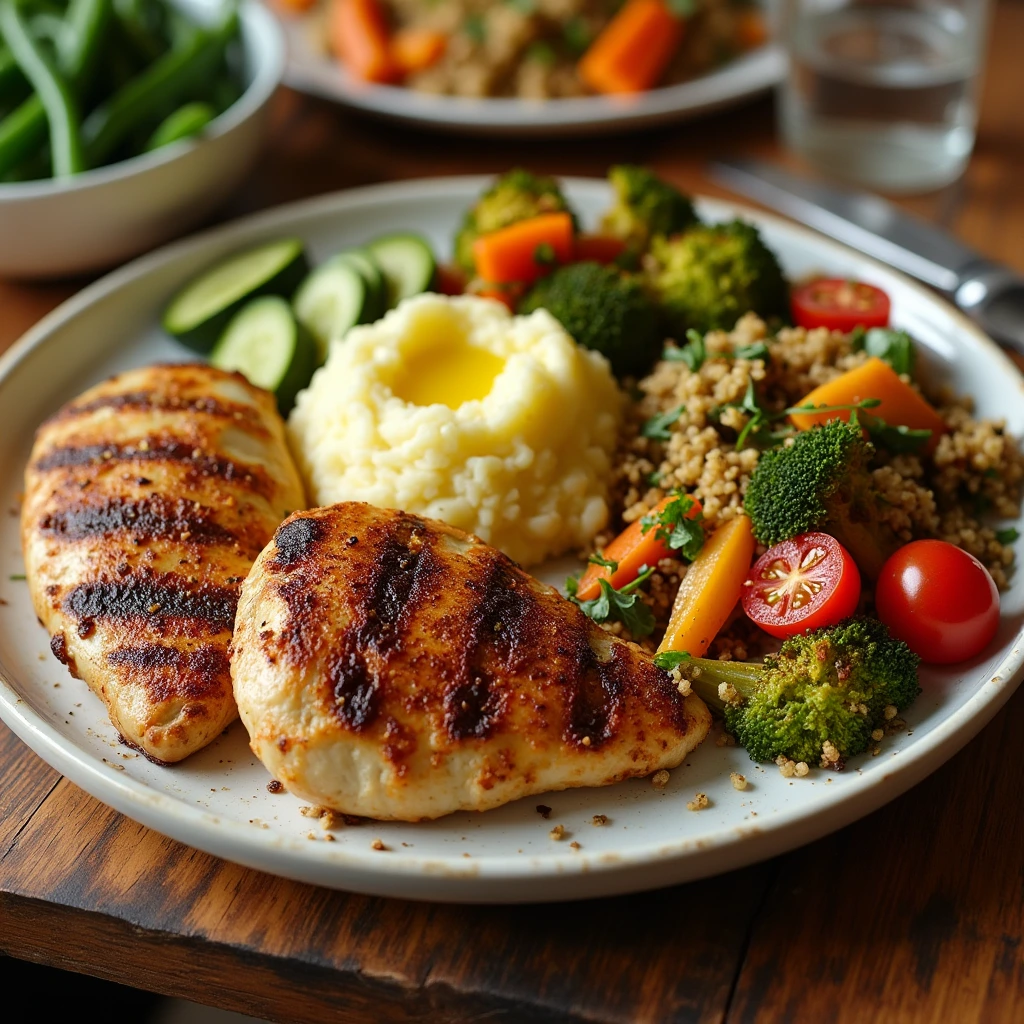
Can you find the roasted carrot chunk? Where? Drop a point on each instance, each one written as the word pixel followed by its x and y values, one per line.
pixel 358 35
pixel 526 250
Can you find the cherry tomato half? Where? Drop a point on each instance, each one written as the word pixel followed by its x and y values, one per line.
pixel 840 305
pixel 802 583
pixel 939 600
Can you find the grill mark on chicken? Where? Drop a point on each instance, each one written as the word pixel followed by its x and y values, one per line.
pixel 199 464
pixel 152 401
pixel 399 576
pixel 296 541
pixel 499 628
pixel 151 518
pixel 163 597
pixel 594 707
pixel 193 674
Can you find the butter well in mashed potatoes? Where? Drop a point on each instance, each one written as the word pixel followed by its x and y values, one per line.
pixel 455 409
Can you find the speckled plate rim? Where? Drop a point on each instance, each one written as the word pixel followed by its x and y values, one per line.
pixel 500 878
pixel 311 70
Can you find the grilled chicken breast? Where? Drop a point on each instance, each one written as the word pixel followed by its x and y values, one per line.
pixel 146 501
pixel 395 667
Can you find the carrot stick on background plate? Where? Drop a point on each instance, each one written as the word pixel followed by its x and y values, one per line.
pixel 416 49
pixel 359 36
pixel 633 50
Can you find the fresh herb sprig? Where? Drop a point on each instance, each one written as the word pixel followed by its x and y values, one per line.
pixel 669 660
pixel 621 604
pixel 677 529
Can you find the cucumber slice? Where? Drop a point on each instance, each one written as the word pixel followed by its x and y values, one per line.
pixel 270 347
pixel 332 299
pixel 408 264
pixel 199 313
pixel 376 286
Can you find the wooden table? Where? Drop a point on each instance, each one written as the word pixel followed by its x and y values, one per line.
pixel 915 913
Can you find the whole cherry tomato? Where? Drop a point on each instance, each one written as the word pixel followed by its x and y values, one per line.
pixel 839 305
pixel 939 600
pixel 802 583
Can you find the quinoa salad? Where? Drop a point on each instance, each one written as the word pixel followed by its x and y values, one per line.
pixel 975 475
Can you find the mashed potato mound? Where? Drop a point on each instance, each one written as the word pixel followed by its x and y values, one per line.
pixel 455 409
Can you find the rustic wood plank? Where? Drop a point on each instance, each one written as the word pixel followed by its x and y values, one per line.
pixel 915 913
pixel 27 783
pixel 665 956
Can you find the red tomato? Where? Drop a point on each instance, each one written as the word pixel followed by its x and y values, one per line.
pixel 939 600
pixel 840 305
pixel 599 248
pixel 803 583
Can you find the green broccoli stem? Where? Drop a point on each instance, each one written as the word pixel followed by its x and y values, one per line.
pixel 710 674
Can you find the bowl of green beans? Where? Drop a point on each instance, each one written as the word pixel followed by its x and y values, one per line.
pixel 123 123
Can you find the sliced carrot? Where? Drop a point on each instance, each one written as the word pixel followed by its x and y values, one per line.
pixel 526 250
pixel 358 35
pixel 633 50
pixel 901 405
pixel 710 589
pixel 416 49
pixel 295 6
pixel 599 248
pixel 633 549
pixel 751 30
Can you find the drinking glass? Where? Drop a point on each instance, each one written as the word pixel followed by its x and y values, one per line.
pixel 883 93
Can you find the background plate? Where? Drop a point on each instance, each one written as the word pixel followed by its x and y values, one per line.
pixel 311 69
pixel 218 801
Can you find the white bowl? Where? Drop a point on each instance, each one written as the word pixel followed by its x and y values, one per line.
pixel 105 216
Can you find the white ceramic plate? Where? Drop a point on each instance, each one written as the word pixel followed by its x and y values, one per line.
pixel 218 800
pixel 310 68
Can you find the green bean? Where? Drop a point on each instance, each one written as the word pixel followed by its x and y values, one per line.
pixel 185 122
pixel 173 78
pixel 10 74
pixel 88 23
pixel 142 25
pixel 22 133
pixel 50 87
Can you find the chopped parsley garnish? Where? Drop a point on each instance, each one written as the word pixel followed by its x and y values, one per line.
pixel 622 605
pixel 16 576
pixel 522 6
pixel 657 427
pixel 475 28
pixel 1007 536
pixel 606 563
pixel 694 353
pixel 758 350
pixel 576 34
pixel 675 529
pixel 544 255
pixel 895 347
pixel 669 660
pixel 901 440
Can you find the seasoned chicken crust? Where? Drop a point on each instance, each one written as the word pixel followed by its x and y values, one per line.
pixel 146 501
pixel 397 668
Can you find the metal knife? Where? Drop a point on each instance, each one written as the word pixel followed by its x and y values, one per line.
pixel 990 293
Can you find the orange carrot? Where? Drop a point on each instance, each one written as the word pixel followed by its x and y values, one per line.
pixel 358 35
pixel 710 589
pixel 634 49
pixel 901 405
pixel 526 250
pixel 416 49
pixel 634 548
pixel 751 30
pixel 599 248
pixel 294 6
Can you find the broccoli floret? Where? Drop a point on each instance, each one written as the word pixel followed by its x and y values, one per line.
pixel 515 196
pixel 821 480
pixel 829 685
pixel 645 206
pixel 603 309
pixel 709 276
